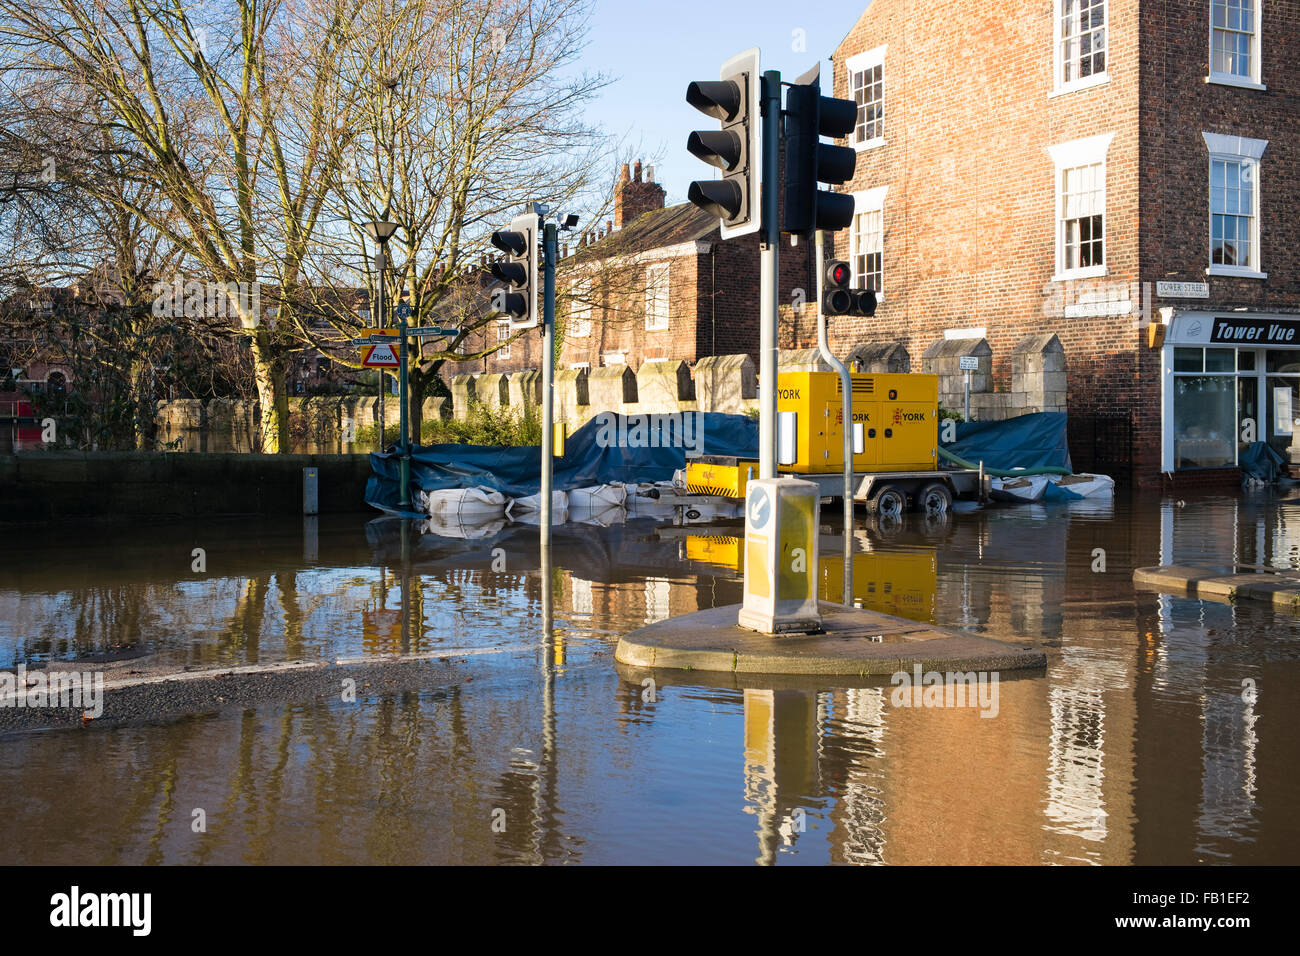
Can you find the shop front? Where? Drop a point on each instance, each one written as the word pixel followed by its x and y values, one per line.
pixel 1229 379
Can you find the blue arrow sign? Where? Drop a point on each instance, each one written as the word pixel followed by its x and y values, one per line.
pixel 759 508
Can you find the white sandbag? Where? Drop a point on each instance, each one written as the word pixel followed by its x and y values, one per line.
pixel 1023 489
pixel 598 497
pixel 528 509
pixel 1085 486
pixel 455 505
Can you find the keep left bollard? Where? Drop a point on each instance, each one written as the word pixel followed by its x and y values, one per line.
pixel 781 526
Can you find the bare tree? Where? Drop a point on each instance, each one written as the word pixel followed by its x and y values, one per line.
pixel 237 117
pixel 469 111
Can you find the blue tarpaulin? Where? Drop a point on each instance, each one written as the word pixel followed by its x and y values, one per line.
pixel 606 449
pixel 1260 460
pixel 1027 441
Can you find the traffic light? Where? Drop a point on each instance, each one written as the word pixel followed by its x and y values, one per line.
pixel 838 298
pixel 517 297
pixel 809 162
pixel 735 148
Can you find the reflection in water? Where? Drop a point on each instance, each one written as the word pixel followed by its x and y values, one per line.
pixel 1137 745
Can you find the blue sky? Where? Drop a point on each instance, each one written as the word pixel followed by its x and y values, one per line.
pixel 652 54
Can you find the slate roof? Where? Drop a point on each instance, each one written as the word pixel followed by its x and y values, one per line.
pixel 657 229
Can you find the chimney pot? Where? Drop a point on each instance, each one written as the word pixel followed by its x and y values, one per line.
pixel 649 174
pixel 636 171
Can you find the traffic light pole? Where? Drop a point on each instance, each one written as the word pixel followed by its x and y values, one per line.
pixel 769 264
pixel 846 391
pixel 548 378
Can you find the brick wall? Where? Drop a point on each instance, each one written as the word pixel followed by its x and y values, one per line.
pixel 969 213
pixel 969 217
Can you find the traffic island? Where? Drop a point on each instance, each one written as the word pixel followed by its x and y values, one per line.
pixel 853 642
pixel 1279 588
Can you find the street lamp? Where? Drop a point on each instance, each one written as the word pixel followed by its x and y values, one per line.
pixel 381 231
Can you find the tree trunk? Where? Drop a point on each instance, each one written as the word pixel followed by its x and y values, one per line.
pixel 272 399
pixel 144 425
pixel 417 387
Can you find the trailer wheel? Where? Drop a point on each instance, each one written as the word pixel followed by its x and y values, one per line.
pixel 889 502
pixel 935 499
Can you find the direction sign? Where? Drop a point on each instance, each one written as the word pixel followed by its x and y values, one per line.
pixel 432 330
pixel 380 356
pixel 373 340
pixel 760 509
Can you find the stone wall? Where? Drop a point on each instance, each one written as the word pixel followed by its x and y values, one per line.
pixel 719 383
pixel 729 383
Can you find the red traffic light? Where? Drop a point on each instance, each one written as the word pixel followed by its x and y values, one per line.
pixel 839 273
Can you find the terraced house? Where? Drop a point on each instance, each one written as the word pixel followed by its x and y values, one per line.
pixel 1121 174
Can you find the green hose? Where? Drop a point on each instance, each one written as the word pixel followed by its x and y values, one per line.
pixel 1003 472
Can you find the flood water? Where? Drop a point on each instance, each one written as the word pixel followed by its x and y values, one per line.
pixel 1160 733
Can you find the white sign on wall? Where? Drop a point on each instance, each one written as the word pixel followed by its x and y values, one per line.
pixel 1282 410
pixel 1183 290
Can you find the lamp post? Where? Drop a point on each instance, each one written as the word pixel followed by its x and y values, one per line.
pixel 381 231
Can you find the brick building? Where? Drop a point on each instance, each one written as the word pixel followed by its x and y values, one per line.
pixel 656 284
pixel 1090 168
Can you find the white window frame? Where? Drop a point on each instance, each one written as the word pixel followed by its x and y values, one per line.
pixel 1090 151
pixel 580 311
pixel 653 321
pixel 1058 61
pixel 867 201
pixel 867 60
pixel 1241 150
pixel 503 334
pixel 1255 80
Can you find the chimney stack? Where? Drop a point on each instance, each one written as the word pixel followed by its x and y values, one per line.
pixel 633 196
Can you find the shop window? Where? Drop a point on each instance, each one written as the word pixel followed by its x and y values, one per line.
pixel 1284 361
pixel 1220 360
pixel 1205 421
pixel 1189 360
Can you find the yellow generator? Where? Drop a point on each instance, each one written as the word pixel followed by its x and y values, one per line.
pixel 895 422
pixel 895 429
